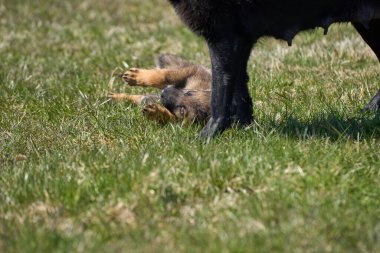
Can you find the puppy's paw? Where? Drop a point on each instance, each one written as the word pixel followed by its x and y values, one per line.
pixel 132 77
pixel 143 77
pixel 116 96
pixel 151 111
pixel 157 112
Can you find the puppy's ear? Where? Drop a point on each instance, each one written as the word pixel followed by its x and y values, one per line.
pixel 171 61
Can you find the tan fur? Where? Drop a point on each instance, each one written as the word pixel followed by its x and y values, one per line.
pixel 158 112
pixel 157 78
pixel 135 99
pixel 175 72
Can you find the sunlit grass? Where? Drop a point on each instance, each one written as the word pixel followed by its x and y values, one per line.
pixel 81 175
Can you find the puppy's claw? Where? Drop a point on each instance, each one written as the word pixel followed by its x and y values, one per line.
pixel 131 77
pixel 110 95
pixel 115 96
pixel 134 70
pixel 150 109
pixel 157 112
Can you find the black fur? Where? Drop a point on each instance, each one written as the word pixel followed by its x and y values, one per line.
pixel 232 27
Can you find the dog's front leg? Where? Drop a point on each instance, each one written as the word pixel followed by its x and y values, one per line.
pixel 226 55
pixel 371 35
pixel 242 101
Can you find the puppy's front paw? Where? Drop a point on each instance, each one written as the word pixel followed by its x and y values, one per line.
pixel 144 77
pixel 133 77
pixel 151 111
pixel 157 112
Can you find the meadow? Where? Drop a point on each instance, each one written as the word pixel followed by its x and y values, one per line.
pixel 81 174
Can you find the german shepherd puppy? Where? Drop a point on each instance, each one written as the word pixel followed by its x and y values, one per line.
pixel 185 90
pixel 232 27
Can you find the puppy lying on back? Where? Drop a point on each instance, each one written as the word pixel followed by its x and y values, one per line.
pixel 185 90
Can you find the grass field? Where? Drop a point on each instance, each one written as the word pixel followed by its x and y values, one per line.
pixel 78 174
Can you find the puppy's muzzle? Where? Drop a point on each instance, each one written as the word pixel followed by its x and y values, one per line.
pixel 169 97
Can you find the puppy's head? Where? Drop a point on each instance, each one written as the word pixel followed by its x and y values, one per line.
pixel 187 105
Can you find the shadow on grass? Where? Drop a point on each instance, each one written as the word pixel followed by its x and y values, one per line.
pixel 332 125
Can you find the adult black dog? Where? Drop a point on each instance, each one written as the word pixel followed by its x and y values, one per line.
pixel 232 27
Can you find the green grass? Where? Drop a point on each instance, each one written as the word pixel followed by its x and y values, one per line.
pixel 81 175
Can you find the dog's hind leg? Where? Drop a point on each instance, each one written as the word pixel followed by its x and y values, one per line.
pixel 371 36
pixel 226 55
pixel 158 78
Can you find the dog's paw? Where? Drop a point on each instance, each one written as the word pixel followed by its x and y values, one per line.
pixel 214 127
pixel 157 112
pixel 133 77
pixel 371 107
pixel 111 95
pixel 374 104
pixel 115 96
pixel 151 111
pixel 137 77
pixel 143 77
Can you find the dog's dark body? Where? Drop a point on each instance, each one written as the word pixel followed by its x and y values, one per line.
pixel 232 27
